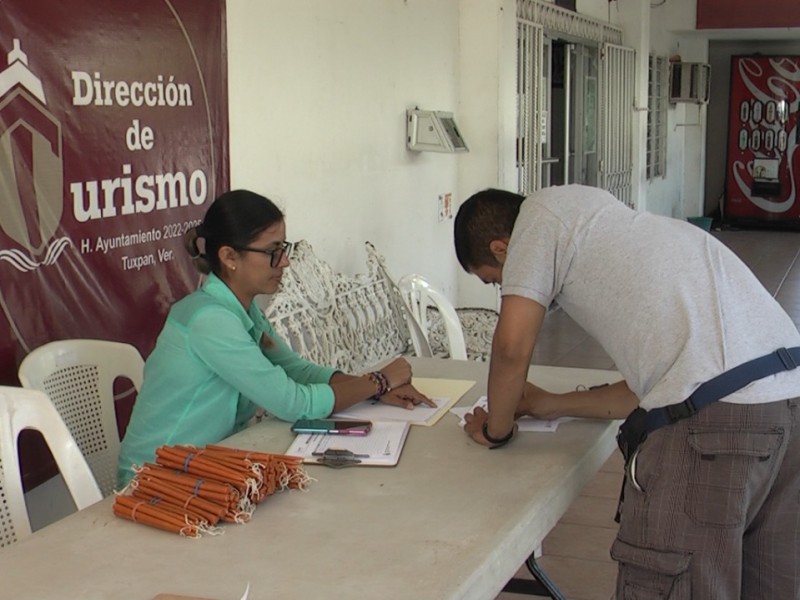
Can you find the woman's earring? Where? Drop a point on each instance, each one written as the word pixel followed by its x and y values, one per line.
pixel 233 267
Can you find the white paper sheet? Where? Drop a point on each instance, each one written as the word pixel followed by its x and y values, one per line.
pixel 523 423
pixel 444 392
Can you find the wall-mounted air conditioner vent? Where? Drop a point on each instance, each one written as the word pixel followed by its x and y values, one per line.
pixel 689 82
pixel 434 131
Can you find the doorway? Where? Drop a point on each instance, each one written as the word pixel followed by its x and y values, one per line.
pixel 569 148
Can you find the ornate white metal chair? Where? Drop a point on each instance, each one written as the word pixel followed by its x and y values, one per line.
pixel 345 322
pixel 78 375
pixel 31 409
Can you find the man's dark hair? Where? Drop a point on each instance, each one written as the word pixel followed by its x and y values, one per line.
pixel 486 216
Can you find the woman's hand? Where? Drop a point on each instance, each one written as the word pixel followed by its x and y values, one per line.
pixel 406 396
pixel 397 372
pixel 538 403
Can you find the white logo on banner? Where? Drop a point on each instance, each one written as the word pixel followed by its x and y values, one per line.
pixel 32 141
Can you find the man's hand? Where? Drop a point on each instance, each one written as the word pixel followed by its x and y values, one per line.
pixel 614 401
pixel 474 426
pixel 538 403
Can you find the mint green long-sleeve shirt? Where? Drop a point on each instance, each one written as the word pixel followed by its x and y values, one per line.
pixel 208 374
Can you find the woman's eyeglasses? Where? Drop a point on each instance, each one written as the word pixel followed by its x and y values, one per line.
pixel 276 255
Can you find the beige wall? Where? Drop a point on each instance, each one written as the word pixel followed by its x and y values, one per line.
pixel 318 94
pixel 319 90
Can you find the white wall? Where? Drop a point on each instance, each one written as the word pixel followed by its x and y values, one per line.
pixel 677 15
pixel 318 93
pixel 487 56
pixel 663 195
pixel 667 29
pixel 693 48
pixel 634 18
pixel 602 10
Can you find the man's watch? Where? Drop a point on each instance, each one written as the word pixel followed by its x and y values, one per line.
pixel 497 442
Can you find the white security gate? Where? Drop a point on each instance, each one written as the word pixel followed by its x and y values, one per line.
pixel 616 121
pixel 530 49
pixel 615 103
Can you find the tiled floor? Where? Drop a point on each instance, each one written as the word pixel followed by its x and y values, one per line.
pixel 575 553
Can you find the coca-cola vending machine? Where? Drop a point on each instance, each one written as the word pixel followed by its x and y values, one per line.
pixel 763 166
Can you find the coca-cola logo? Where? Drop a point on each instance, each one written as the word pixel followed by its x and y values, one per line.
pixel 764 141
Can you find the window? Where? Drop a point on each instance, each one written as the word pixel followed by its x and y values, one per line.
pixel 657 117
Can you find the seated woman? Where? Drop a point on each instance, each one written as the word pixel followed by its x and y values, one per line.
pixel 218 359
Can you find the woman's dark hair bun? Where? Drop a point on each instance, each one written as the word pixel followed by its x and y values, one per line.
pixel 190 243
pixel 234 219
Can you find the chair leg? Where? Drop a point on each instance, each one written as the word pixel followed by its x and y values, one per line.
pixel 540 585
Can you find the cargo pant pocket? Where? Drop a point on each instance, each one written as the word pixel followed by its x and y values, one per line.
pixel 648 574
pixel 721 466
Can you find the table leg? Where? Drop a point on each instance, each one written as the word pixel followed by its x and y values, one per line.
pixel 540 585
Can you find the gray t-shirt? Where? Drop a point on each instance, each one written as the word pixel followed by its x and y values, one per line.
pixel 671 305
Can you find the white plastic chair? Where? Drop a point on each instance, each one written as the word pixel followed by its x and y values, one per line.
pixel 419 295
pixel 78 375
pixel 31 409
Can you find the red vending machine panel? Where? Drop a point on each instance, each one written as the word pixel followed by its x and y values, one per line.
pixel 763 166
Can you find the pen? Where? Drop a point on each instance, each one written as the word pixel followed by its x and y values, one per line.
pixel 342 452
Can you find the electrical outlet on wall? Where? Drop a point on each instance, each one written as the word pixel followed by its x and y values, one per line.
pixel 445 206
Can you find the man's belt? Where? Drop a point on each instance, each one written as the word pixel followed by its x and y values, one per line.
pixel 639 424
pixel 783 359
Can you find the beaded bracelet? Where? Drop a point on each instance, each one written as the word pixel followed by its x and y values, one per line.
pixel 377 382
pixel 380 380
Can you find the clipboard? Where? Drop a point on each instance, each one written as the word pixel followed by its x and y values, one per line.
pixel 380 447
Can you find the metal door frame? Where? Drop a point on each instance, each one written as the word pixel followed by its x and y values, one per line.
pixel 615 95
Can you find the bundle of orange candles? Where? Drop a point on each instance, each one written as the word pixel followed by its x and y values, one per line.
pixel 190 490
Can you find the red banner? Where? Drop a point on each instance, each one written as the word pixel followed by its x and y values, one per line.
pixel 747 14
pixel 113 141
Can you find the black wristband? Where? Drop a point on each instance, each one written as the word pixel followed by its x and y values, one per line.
pixel 497 442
